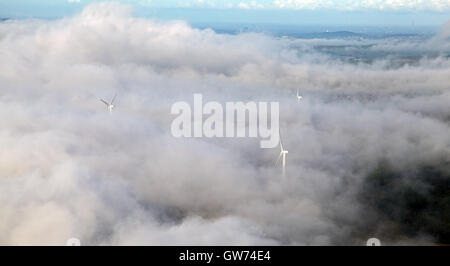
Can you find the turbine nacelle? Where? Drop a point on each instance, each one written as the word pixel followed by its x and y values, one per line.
pixel 299 97
pixel 109 105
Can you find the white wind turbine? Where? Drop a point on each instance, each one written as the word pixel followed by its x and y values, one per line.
pixel 111 104
pixel 299 97
pixel 282 156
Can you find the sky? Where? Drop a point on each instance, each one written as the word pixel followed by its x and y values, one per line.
pixel 438 5
pixel 346 12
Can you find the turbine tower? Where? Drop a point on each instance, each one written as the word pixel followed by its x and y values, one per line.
pixel 110 105
pixel 299 97
pixel 282 156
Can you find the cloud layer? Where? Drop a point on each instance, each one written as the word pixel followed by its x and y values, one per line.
pixel 364 4
pixel 70 169
pixel 437 5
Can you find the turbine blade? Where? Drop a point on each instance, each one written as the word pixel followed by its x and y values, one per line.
pixel 278 158
pixel 281 141
pixel 107 104
pixel 112 101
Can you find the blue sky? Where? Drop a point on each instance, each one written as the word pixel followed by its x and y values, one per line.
pixel 342 12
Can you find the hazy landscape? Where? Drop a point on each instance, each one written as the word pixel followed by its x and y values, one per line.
pixel 369 145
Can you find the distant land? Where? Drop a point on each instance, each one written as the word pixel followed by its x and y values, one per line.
pixel 319 31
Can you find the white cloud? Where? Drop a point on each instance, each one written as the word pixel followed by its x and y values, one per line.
pixel 364 4
pixel 250 5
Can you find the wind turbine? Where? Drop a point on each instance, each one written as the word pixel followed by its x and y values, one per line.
pixel 111 104
pixel 282 156
pixel 299 97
